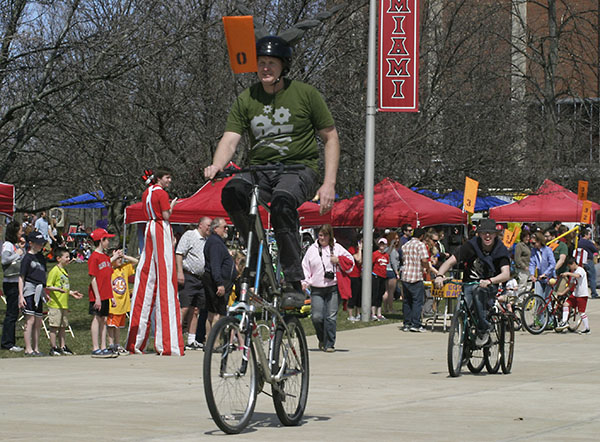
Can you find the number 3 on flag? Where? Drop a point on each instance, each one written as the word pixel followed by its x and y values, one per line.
pixel 239 33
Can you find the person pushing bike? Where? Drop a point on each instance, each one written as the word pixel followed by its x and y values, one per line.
pixel 483 258
pixel 281 117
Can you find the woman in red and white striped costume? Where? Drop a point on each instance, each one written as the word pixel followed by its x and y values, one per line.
pixel 155 284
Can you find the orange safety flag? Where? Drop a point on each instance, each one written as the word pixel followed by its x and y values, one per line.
pixel 510 236
pixel 239 32
pixel 471 187
pixel 586 212
pixel 582 189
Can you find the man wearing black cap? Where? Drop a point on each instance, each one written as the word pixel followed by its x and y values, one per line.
pixel 281 117
pixel 485 259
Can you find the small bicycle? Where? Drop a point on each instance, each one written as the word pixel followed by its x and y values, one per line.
pixel 538 313
pixel 496 353
pixel 243 352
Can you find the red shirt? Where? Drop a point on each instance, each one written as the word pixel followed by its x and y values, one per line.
pixel 355 273
pixel 155 200
pixel 380 262
pixel 100 267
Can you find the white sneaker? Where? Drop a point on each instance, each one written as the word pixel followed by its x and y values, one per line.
pixel 357 317
pixel 16 349
pixel 351 319
pixel 561 327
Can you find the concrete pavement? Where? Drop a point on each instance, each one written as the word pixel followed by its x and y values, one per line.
pixel 382 384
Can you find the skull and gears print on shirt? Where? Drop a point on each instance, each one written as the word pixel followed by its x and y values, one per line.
pixel 281 126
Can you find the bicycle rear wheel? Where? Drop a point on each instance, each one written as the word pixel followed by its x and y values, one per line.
pixel 290 357
pixel 456 342
pixel 230 376
pixel 534 315
pixel 507 347
pixel 492 350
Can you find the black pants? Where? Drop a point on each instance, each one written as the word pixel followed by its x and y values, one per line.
pixel 11 294
pixel 286 192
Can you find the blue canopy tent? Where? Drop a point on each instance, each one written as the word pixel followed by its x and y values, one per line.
pixel 456 198
pixel 90 200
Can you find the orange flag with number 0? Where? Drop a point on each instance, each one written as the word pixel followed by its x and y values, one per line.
pixel 239 33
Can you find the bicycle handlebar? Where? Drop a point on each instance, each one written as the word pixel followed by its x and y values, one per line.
pixel 279 167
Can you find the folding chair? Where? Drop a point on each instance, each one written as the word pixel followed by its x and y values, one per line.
pixel 45 319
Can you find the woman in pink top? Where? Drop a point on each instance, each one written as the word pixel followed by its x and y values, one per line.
pixel 322 261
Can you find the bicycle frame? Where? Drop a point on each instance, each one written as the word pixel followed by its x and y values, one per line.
pixel 244 306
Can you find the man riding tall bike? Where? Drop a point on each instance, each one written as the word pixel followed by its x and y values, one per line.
pixel 281 117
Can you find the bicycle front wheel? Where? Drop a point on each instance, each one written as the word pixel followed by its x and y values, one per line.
pixel 290 357
pixel 492 350
pixel 456 342
pixel 507 347
pixel 476 361
pixel 230 376
pixel 574 320
pixel 534 315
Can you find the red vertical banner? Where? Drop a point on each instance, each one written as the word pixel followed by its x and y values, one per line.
pixel 399 55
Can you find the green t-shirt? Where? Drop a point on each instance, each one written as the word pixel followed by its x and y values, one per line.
pixel 561 249
pixel 58 277
pixel 281 126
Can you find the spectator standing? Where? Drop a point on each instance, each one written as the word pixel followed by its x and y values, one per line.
pixel 219 272
pixel 378 278
pixel 123 268
pixel 320 264
pixel 32 281
pixel 542 265
pixel 416 261
pixel 585 243
pixel 100 292
pixel 392 272
pixel 13 250
pixel 155 287
pixel 354 304
pixel 189 256
pixel 522 258
pixel 407 232
pixel 42 226
pixel 59 290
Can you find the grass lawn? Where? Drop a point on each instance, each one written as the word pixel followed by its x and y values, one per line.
pixel 80 319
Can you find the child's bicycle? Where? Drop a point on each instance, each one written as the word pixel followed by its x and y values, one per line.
pixel 496 353
pixel 241 355
pixel 538 313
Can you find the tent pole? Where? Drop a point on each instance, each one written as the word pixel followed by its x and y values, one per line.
pixel 124 229
pixel 369 166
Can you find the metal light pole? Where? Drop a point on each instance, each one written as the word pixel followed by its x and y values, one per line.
pixel 369 165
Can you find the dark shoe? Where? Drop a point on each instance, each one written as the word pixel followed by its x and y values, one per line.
pixel 67 351
pixel 55 351
pixel 482 339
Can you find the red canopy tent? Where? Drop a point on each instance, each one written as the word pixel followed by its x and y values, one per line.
pixel 7 199
pixel 207 202
pixel 394 205
pixel 551 202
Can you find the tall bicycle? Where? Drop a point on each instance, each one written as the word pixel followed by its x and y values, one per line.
pixel 462 346
pixel 260 340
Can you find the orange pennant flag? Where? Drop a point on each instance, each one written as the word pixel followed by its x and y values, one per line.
pixel 586 212
pixel 471 187
pixel 239 33
pixel 582 190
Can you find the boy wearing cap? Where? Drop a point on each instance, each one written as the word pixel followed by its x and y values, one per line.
pixel 32 281
pixel 100 292
pixel 483 259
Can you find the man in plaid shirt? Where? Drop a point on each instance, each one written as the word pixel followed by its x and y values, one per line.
pixel 416 259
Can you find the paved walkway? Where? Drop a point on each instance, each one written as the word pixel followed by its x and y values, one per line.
pixel 381 385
